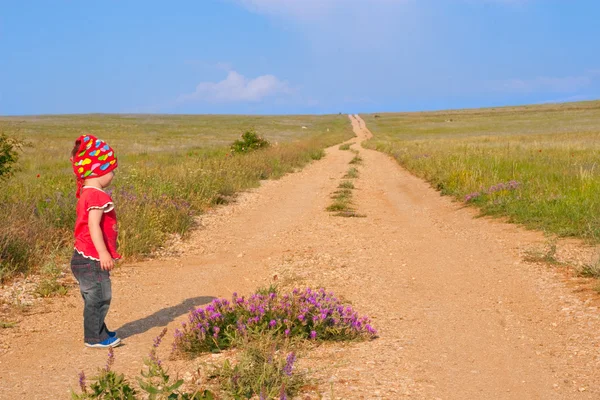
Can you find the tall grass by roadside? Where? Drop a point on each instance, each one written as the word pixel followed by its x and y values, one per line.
pixel 170 169
pixel 537 165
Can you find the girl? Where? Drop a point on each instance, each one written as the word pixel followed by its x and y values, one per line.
pixel 94 163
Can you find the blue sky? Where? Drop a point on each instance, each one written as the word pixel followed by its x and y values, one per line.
pixel 294 56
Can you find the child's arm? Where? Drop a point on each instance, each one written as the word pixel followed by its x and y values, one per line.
pixel 95 216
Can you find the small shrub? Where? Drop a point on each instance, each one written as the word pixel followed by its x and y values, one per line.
pixel 357 160
pixel 351 174
pixel 265 369
pixel 306 314
pixel 9 155
pixel 547 256
pixel 345 146
pixel 49 286
pixel 339 205
pixel 154 382
pixel 157 383
pixel 591 270
pixel 316 154
pixel 7 325
pixel 349 214
pixel 342 194
pixel 107 385
pixel 248 142
pixel 346 185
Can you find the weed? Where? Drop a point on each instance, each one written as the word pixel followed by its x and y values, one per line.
pixel 154 382
pixel 265 369
pixel 342 200
pixel 351 174
pixel 345 146
pixel 6 325
pixel 357 160
pixel 349 214
pixel 547 256
pixel 342 194
pixel 346 185
pixel 316 154
pixel 266 291
pixel 591 270
pixel 107 385
pixel 49 286
pixel 338 205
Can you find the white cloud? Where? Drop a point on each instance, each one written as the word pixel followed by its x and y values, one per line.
pixel 237 88
pixel 567 84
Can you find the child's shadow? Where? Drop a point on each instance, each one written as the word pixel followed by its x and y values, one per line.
pixel 162 317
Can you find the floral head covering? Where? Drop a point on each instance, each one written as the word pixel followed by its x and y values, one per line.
pixel 93 158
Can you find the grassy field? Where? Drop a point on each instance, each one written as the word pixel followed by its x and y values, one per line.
pixel 170 169
pixel 536 165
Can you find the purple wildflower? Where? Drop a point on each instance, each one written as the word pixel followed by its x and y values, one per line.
pixel 111 359
pixel 282 393
pixel 159 338
pixel 472 196
pixel 157 342
pixel 82 382
pixel 313 335
pixel 289 364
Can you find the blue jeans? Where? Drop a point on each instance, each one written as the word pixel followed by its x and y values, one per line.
pixel 94 284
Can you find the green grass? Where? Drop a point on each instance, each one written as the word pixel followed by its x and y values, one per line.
pixel 342 204
pixel 342 201
pixel 345 146
pixel 550 151
pixel 346 185
pixel 351 174
pixel 7 325
pixel 171 168
pixel 357 160
pixel 342 194
pixel 339 205
pixel 547 256
pixel 349 214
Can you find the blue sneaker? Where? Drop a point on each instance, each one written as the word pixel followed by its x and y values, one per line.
pixel 111 334
pixel 110 342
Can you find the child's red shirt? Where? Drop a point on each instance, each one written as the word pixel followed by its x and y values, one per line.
pixel 91 198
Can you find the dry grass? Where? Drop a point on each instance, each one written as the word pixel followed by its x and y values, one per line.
pixel 170 169
pixel 537 165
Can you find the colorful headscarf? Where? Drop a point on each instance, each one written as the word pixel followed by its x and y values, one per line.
pixel 94 158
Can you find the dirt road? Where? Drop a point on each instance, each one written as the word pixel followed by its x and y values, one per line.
pixel 460 315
